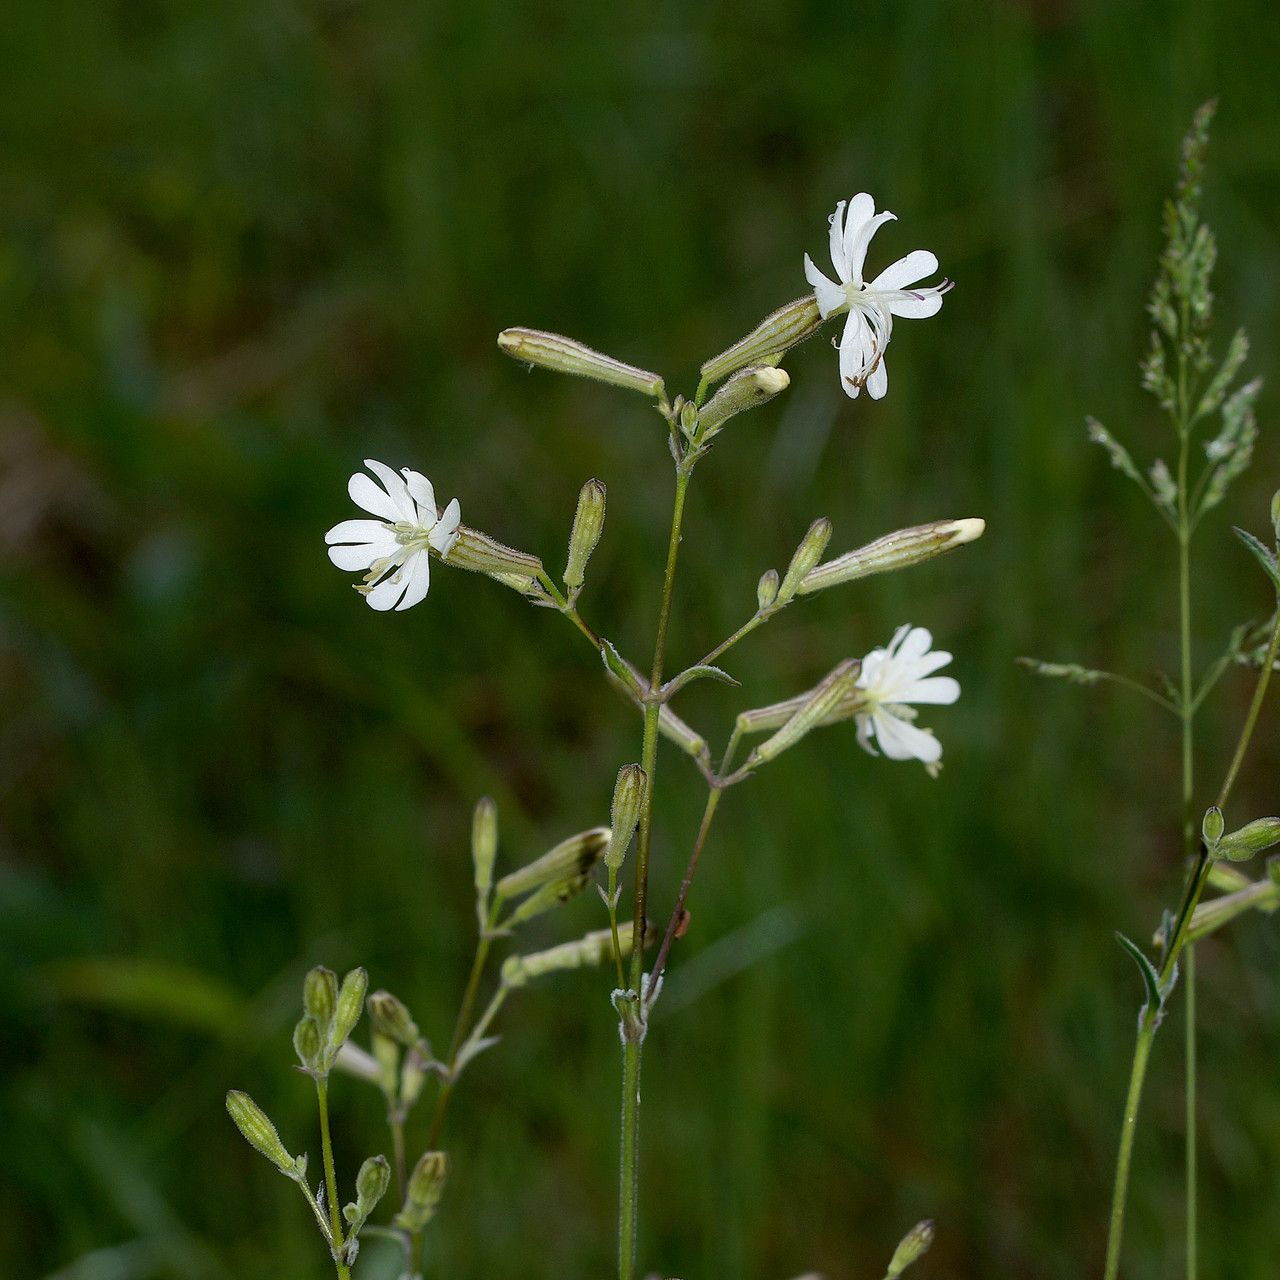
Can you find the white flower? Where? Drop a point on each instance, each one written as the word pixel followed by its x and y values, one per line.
pixel 892 679
pixel 393 550
pixel 871 307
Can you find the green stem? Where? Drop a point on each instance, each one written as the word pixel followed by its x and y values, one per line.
pixel 1189 1050
pixel 1140 1056
pixel 331 1180
pixel 633 1026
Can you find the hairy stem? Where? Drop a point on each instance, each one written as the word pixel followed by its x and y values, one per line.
pixel 331 1180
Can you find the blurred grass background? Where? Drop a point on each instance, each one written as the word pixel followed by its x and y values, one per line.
pixel 246 245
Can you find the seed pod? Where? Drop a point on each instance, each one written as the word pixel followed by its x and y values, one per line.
pixel 564 355
pixel 745 390
pixel 308 1044
pixel 767 588
pixel 259 1132
pixel 624 814
pixel 349 1007
pixel 391 1018
pixel 484 850
pixel 320 995
pixel 893 551
pixel 588 524
pixel 808 553
pixel 915 1244
pixel 776 333
pixel 594 949
pixel 574 856
pixel 817 704
pixel 1252 838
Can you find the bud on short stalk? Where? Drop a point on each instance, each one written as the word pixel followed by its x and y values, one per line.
pixel 261 1134
pixel 574 856
pixel 371 1185
pixel 1252 838
pixel 897 550
pixel 775 334
pixel 484 852
pixel 767 589
pixel 349 1008
pixel 564 355
pixel 624 813
pixel 594 949
pixel 807 555
pixel 426 1186
pixel 551 895
pixel 320 995
pixel 588 524
pixel 915 1244
pixel 1212 826
pixel 390 1017
pixel 745 390
pixel 309 1045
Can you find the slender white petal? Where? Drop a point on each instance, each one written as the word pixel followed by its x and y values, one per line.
pixel 388 592
pixel 839 259
pixel 372 498
pixel 831 297
pixel 914 645
pixel 900 740
pixel 421 491
pixel 418 570
pixel 939 691
pixel 854 344
pixel 861 239
pixel 445 533
pixel 905 272
pixel 360 558
pixel 910 307
pixel 862 208
pixel 360 531
pixel 878 379
pixel 396 489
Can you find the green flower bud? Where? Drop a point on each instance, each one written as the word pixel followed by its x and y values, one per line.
pixel 775 334
pixel 478 553
pixel 594 949
pixel 308 1044
pixel 767 588
pixel 624 814
pixel 371 1183
pixel 260 1133
pixel 588 524
pixel 574 856
pixel 807 555
pixel 426 1186
pixel 745 390
pixel 1252 838
pixel 349 1007
pixel 821 701
pixel 484 846
pixel 1275 514
pixel 549 896
pixel 564 355
pixel 915 1244
pixel 389 1017
pixel 320 995
pixel 1212 826
pixel 893 551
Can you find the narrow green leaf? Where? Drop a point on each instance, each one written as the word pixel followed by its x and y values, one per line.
pixel 1264 556
pixel 1150 979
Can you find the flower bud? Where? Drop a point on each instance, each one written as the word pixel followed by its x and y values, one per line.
pixel 1252 838
pixel 776 333
pixel 484 850
pixel 915 1244
pixel 259 1132
pixel 767 588
pixel 1212 826
pixel 1275 514
pixel 588 524
pixel 821 701
pixel 349 1007
pixel 371 1184
pixel 808 553
pixel 308 1044
pixel 320 995
pixel 426 1186
pixel 413 1075
pixel 624 814
pixel 564 355
pixel 391 1018
pixel 549 896
pixel 893 551
pixel 745 390
pixel 594 949
pixel 478 553
pixel 571 857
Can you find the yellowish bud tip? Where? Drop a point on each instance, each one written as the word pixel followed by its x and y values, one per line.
pixel 968 530
pixel 772 381
pixel 509 340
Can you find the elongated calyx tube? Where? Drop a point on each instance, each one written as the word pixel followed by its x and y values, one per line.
pixel 807 555
pixel 897 550
pixel 565 355
pixel 260 1133
pixel 820 702
pixel 588 524
pixel 571 857
pixel 484 848
pixel 594 949
pixel 478 553
pixel 745 390
pixel 775 334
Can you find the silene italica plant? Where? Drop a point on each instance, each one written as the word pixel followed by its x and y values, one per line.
pixel 403 532
pixel 1211 412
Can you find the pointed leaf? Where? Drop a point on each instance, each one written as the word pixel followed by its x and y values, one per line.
pixel 699 672
pixel 1264 556
pixel 1150 979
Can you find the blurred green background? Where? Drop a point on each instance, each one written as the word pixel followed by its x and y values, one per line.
pixel 246 245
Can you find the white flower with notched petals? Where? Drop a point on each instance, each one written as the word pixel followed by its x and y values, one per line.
pixel 894 678
pixel 393 551
pixel 871 307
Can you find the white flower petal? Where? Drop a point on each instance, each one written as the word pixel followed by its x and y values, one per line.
pixel 396 488
pixel 360 531
pixel 839 259
pixel 863 724
pixel 424 496
pixel 388 592
pixel 855 346
pixel 445 534
pixel 831 297
pixel 418 570
pixel 939 691
pixel 359 558
pixel 902 741
pixel 915 308
pixel 906 271
pixel 862 208
pixel 364 493
pixel 878 380
pixel 861 239
pixel 914 645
